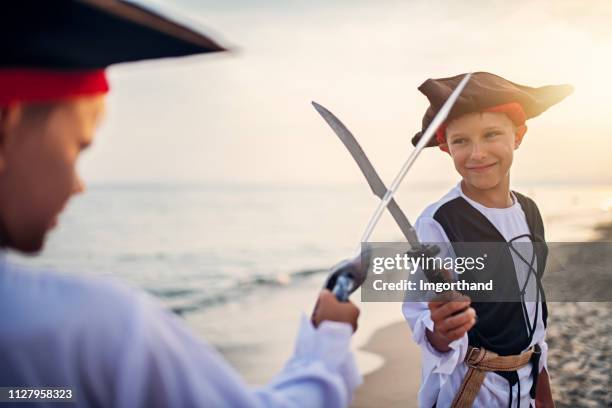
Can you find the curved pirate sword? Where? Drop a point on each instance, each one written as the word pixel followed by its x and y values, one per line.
pixel 349 275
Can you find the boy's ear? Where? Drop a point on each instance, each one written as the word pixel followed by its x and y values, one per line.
pixel 10 117
pixel 518 136
pixel 444 147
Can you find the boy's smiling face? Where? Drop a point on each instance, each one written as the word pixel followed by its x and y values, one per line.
pixel 482 146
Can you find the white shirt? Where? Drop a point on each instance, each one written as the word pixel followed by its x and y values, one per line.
pixel 116 347
pixel 443 373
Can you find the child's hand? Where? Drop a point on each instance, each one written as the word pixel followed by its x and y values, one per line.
pixel 452 318
pixel 330 308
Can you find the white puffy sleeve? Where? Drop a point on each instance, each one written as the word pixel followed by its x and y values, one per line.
pixel 117 347
pixel 156 361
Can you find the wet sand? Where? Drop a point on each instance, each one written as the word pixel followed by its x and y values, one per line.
pixel 397 382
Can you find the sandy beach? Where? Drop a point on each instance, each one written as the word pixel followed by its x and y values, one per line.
pixel 580 357
pixel 396 383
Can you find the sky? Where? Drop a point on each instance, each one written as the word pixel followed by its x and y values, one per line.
pixel 245 116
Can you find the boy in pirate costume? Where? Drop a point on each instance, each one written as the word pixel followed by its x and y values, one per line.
pixel 101 343
pixel 484 354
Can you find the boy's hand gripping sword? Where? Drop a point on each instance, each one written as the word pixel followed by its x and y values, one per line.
pixel 349 275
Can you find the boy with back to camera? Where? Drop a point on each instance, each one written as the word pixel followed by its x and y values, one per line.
pixel 101 343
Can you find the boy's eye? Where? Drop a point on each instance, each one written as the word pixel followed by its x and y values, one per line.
pixel 458 140
pixel 492 133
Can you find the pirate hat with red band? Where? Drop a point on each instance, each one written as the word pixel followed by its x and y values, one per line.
pixel 59 49
pixel 488 92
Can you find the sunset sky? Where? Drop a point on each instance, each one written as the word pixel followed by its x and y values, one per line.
pixel 245 117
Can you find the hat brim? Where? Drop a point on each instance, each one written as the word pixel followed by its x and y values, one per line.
pixel 91 34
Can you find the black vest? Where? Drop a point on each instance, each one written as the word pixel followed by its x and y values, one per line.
pixel 501 326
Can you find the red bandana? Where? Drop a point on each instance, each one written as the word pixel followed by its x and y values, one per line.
pixel 37 85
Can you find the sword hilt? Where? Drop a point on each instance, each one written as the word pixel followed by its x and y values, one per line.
pixel 348 275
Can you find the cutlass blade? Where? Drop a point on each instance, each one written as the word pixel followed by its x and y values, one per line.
pixel 367 169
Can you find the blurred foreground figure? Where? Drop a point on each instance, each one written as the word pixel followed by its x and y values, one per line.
pixel 112 346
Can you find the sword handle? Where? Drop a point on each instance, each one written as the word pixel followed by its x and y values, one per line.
pixel 343 288
pixel 347 276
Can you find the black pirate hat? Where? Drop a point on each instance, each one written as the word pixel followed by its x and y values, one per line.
pixel 483 91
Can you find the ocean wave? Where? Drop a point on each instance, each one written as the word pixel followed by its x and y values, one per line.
pixel 181 300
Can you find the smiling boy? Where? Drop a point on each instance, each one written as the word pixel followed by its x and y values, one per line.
pixel 462 340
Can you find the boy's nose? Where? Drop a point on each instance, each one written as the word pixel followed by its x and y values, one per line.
pixel 478 152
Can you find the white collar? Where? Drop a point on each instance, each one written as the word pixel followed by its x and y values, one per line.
pixel 515 204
